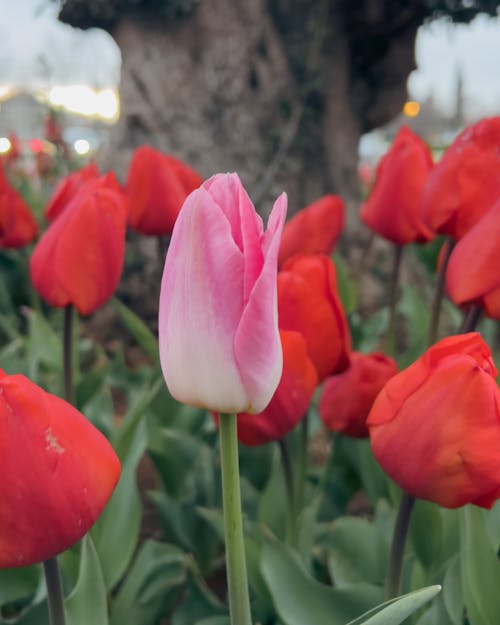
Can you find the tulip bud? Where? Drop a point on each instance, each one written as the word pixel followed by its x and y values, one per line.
pixel 313 230
pixel 472 275
pixel 79 259
pixel 392 209
pixel 218 326
pixel 435 427
pixel 308 302
pixel 67 188
pixel 465 182
pixel 346 398
pixel 58 473
pixel 157 185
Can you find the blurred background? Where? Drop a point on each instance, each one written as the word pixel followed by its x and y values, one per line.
pixel 292 94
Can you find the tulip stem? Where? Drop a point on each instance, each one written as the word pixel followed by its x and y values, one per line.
pixel 393 300
pixel 291 516
pixel 68 354
pixel 239 602
pixel 448 246
pixel 398 544
pixel 303 461
pixel 54 592
pixel 471 319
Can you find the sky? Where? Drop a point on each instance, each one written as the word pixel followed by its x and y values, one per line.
pixel 35 47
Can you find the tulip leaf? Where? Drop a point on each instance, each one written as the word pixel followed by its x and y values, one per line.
pixel 18 585
pixel 426 533
pixel 301 600
pixel 43 346
pixel 137 328
pixel 359 552
pixel 152 584
pixel 87 602
pixel 395 611
pixel 480 568
pixel 452 591
pixel 199 602
pixel 117 530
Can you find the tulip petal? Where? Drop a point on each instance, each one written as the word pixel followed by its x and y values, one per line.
pixel 257 346
pixel 201 302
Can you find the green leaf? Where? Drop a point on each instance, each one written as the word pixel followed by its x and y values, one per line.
pixel 43 346
pixel 480 568
pixel 158 571
pixel 137 328
pixel 301 600
pixel 117 529
pixel 87 601
pixel 395 611
pixel 272 502
pixel 452 591
pixel 345 285
pixel 199 602
pixel 359 552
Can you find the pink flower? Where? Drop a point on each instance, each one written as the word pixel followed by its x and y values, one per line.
pixel 218 327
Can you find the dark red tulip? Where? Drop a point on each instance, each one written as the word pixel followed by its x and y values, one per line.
pixel 67 188
pixel 18 226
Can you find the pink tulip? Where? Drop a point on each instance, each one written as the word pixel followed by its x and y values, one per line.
pixel 218 328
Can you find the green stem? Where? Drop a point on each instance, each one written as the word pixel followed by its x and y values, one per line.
pixel 393 300
pixel 239 602
pixel 291 516
pixel 54 592
pixel 448 246
pixel 471 319
pixel 398 544
pixel 68 355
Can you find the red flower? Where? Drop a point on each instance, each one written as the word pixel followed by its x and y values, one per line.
pixel 18 227
pixel 67 188
pixel 313 230
pixel 79 259
pixel 308 303
pixel 472 275
pixel 435 427
pixel 465 182
pixel 392 209
pixel 157 185
pixel 290 400
pixel 346 398
pixel 58 472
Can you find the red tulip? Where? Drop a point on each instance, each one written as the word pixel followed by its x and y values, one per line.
pixel 472 275
pixel 308 303
pixel 435 427
pixel 67 188
pixel 157 185
pixel 346 398
pixel 313 230
pixel 465 182
pixel 58 472
pixel 18 227
pixel 392 209
pixel 79 259
pixel 290 400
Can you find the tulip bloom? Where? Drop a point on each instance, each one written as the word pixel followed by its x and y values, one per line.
pixel 291 399
pixel 435 427
pixel 313 230
pixel 218 326
pixel 18 227
pixel 79 259
pixel 67 188
pixel 308 302
pixel 472 275
pixel 58 473
pixel 465 182
pixel 392 209
pixel 157 185
pixel 346 398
